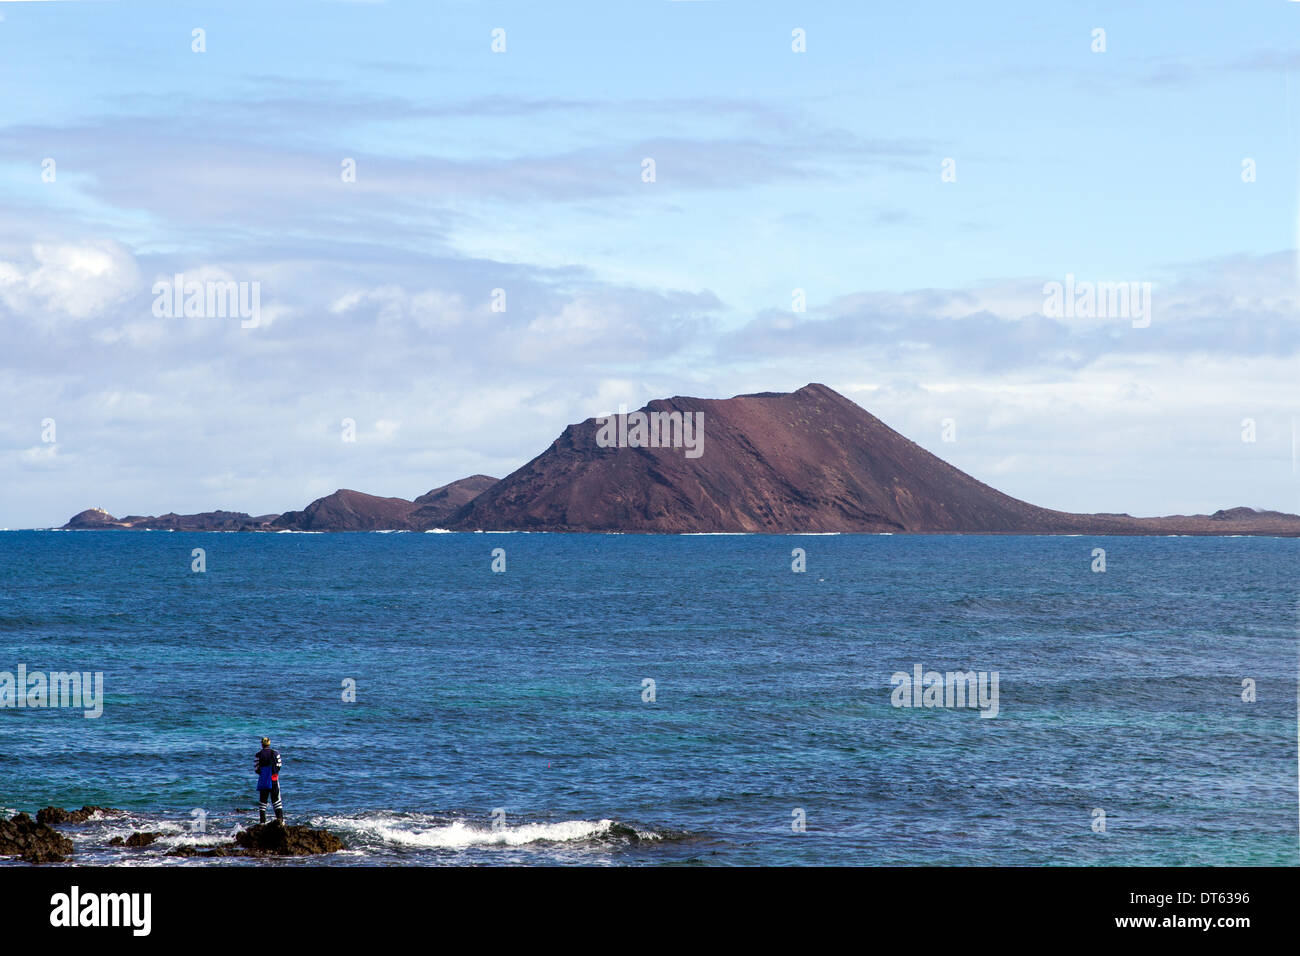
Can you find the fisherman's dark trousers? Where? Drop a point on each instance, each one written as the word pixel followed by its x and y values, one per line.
pixel 273 793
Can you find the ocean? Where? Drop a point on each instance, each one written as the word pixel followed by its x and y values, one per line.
pixel 506 717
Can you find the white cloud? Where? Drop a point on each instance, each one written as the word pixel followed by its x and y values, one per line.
pixel 77 280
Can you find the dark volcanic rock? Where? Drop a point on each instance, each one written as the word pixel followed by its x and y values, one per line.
pixel 135 840
pixel 52 815
pixel 809 460
pixel 225 849
pixel 270 839
pixel 279 840
pixel 33 841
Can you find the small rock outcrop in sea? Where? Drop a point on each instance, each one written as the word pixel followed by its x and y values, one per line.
pixel 53 815
pixel 34 842
pixel 224 849
pixel 135 840
pixel 270 839
pixel 279 840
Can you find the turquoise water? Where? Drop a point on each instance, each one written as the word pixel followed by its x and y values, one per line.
pixel 522 692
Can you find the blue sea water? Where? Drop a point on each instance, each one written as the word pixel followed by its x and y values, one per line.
pixel 522 693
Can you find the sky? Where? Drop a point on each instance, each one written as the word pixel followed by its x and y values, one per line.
pixel 880 211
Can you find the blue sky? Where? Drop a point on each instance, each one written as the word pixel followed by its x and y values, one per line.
pixel 521 170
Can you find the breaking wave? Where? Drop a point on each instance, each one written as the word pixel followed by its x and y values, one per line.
pixel 423 832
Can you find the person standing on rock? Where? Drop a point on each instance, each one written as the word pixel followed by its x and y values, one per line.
pixel 267 767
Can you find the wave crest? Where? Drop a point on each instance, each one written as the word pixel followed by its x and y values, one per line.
pixel 459 834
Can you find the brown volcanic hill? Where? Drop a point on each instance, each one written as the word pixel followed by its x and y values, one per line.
pixel 809 460
pixel 348 510
pixel 440 504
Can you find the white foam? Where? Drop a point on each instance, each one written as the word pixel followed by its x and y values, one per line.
pixel 196 839
pixel 459 834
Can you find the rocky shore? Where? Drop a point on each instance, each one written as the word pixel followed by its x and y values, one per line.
pixel 52 815
pixel 33 842
pixel 36 841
